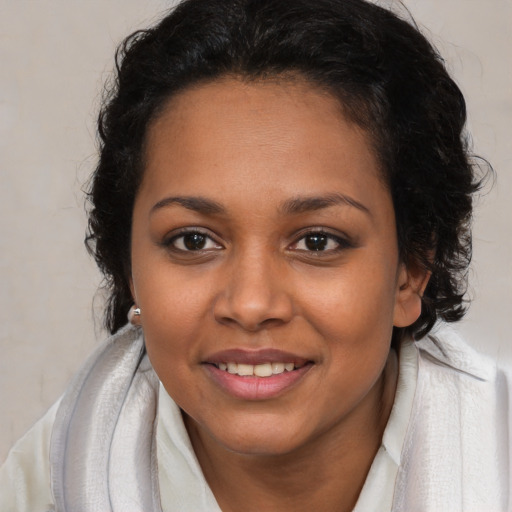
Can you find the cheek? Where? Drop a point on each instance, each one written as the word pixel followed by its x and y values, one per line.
pixel 171 320
pixel 168 295
pixel 352 300
pixel 172 334
pixel 176 318
pixel 169 309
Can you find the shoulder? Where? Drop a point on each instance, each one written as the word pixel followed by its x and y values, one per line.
pixel 449 367
pixel 457 451
pixel 444 347
pixel 25 475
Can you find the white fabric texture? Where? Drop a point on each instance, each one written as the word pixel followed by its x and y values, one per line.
pixel 378 490
pixel 446 443
pixel 25 475
pixel 103 449
pixel 457 452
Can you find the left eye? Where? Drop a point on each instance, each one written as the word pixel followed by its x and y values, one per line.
pixel 193 241
pixel 318 242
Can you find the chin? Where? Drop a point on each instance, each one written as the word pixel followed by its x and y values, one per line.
pixel 253 436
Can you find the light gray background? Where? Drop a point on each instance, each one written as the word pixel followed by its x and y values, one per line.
pixel 54 57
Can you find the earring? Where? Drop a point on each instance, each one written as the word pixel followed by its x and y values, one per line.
pixel 134 315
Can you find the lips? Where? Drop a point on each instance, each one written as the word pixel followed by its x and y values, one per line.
pixel 256 375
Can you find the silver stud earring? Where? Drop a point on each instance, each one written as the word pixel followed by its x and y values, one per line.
pixel 134 315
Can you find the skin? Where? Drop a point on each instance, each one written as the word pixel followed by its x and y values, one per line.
pixel 259 150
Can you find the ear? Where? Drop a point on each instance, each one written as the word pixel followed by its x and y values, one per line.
pixel 411 283
pixel 134 313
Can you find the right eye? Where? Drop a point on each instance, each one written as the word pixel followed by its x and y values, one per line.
pixel 192 241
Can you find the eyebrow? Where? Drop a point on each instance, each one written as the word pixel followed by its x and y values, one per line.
pixel 292 206
pixel 308 204
pixel 196 204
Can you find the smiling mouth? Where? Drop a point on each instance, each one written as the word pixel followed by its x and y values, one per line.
pixel 258 375
pixel 257 370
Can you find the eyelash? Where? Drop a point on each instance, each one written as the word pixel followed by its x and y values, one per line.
pixel 170 243
pixel 342 243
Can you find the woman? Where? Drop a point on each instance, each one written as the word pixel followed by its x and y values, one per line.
pixel 282 202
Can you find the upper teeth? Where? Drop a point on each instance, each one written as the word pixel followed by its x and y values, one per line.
pixel 259 370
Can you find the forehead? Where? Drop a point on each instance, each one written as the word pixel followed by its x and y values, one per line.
pixel 232 134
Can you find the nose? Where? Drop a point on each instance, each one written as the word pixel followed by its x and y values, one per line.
pixel 254 295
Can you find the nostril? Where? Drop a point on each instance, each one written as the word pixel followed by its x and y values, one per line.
pixel 253 296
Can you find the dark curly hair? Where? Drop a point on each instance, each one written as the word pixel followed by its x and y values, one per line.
pixel 385 74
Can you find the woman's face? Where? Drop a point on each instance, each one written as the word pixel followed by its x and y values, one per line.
pixel 265 264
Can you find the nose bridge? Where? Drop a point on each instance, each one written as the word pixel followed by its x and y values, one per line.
pixel 254 294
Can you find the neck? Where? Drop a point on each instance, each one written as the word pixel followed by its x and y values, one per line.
pixel 327 473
